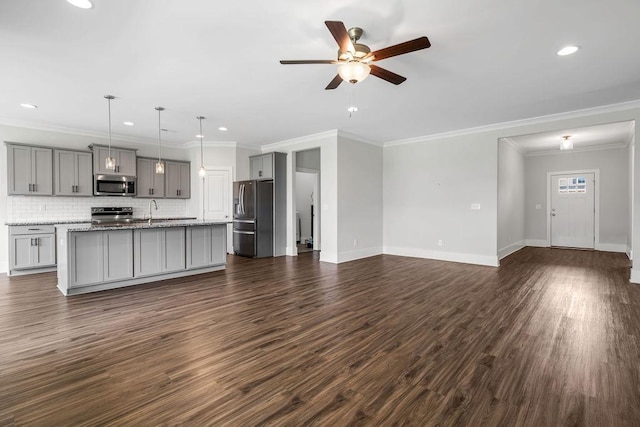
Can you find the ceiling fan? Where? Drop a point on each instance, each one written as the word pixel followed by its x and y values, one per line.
pixel 355 58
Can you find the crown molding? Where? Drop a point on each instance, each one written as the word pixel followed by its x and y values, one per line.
pixel 223 144
pixel 524 122
pixel 71 131
pixel 513 145
pixel 576 150
pixel 358 138
pixel 299 140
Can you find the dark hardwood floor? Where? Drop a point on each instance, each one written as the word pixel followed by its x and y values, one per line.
pixel 549 338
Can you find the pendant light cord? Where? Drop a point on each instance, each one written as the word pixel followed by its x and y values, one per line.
pixel 201 151
pixel 159 135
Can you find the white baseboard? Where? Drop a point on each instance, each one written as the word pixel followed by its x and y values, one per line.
pixel 611 247
pixel 635 276
pixel 326 256
pixel 508 250
pixel 488 260
pixel 537 243
pixel 629 253
pixel 359 254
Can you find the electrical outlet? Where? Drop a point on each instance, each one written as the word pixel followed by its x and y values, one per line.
pixel 475 206
pixel 538 206
pixel 43 208
pixel 439 242
pixel 355 242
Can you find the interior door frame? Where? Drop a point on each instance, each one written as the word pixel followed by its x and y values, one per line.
pixel 596 203
pixel 201 205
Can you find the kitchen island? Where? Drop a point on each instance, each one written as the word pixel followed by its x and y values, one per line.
pixel 94 258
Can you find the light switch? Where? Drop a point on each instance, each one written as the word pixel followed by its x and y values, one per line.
pixel 538 206
pixel 475 206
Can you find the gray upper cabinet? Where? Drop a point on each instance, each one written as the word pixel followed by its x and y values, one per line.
pixel 262 166
pixel 72 173
pixel 29 170
pixel 125 160
pixel 177 179
pixel 150 184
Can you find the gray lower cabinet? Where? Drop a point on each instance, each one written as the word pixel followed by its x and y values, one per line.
pixel 29 170
pixel 31 247
pixel 158 250
pixel 72 173
pixel 206 246
pixel 178 180
pixel 100 256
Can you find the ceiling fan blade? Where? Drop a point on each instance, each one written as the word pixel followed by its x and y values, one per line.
pixel 334 83
pixel 387 75
pixel 339 32
pixel 309 61
pixel 400 49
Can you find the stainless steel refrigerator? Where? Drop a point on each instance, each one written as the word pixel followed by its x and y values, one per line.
pixel 253 218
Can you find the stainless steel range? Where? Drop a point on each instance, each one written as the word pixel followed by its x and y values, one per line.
pixel 111 216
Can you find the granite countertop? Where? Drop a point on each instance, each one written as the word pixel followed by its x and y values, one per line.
pixel 54 222
pixel 157 223
pixel 85 221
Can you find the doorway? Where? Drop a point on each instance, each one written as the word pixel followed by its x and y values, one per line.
pixel 307 227
pixel 572 210
pixel 216 197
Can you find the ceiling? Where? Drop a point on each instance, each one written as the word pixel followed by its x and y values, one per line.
pixel 586 138
pixel 490 62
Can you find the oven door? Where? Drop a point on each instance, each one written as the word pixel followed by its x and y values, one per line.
pixel 114 185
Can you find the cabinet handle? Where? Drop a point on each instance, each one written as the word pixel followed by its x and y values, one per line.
pixel 33 229
pixel 35 186
pixel 153 191
pixel 37 239
pixel 149 192
pixel 30 187
pixel 259 173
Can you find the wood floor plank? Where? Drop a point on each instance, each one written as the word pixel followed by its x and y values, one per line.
pixel 552 337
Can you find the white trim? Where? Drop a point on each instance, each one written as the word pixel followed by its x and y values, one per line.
pixel 72 131
pixel 596 201
pixel 508 250
pixel 359 254
pixel 196 144
pixel 294 141
pixel 513 145
pixel 326 256
pixel 611 247
pixel 629 253
pixel 488 260
pixel 635 276
pixel 524 122
pixel 358 138
pixel 576 150
pixel 537 243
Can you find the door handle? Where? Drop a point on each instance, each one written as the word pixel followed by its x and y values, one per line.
pixel 553 214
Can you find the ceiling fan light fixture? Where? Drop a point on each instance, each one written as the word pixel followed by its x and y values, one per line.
pixel 567 143
pixel 354 71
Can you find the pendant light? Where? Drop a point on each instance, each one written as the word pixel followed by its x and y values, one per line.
pixel 160 163
pixel 202 172
pixel 109 162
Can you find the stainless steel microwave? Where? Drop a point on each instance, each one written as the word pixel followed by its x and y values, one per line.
pixel 114 185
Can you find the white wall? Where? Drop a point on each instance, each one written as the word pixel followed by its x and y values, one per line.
pixel 511 199
pixel 429 188
pixel 631 166
pixel 614 192
pixel 359 199
pixel 308 160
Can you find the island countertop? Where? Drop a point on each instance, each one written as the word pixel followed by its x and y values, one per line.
pixel 84 221
pixel 158 223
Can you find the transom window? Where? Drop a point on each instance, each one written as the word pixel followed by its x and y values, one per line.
pixel 576 184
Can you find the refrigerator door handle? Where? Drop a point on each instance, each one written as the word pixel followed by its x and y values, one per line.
pixel 244 221
pixel 241 207
pixel 244 232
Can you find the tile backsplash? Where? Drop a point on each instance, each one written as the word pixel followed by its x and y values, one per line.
pixel 29 208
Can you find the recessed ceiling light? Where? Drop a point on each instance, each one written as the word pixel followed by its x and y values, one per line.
pixel 82 4
pixel 223 129
pixel 199 136
pixel 352 109
pixel 567 50
pixel 128 123
pixel 31 106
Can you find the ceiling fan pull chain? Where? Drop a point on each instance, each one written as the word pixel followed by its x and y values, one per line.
pixel 352 108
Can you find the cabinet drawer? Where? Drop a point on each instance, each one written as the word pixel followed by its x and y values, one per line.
pixel 16 230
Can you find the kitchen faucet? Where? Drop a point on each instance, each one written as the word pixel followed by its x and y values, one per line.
pixel 156 205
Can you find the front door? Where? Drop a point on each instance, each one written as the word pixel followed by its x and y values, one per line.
pixel 573 210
